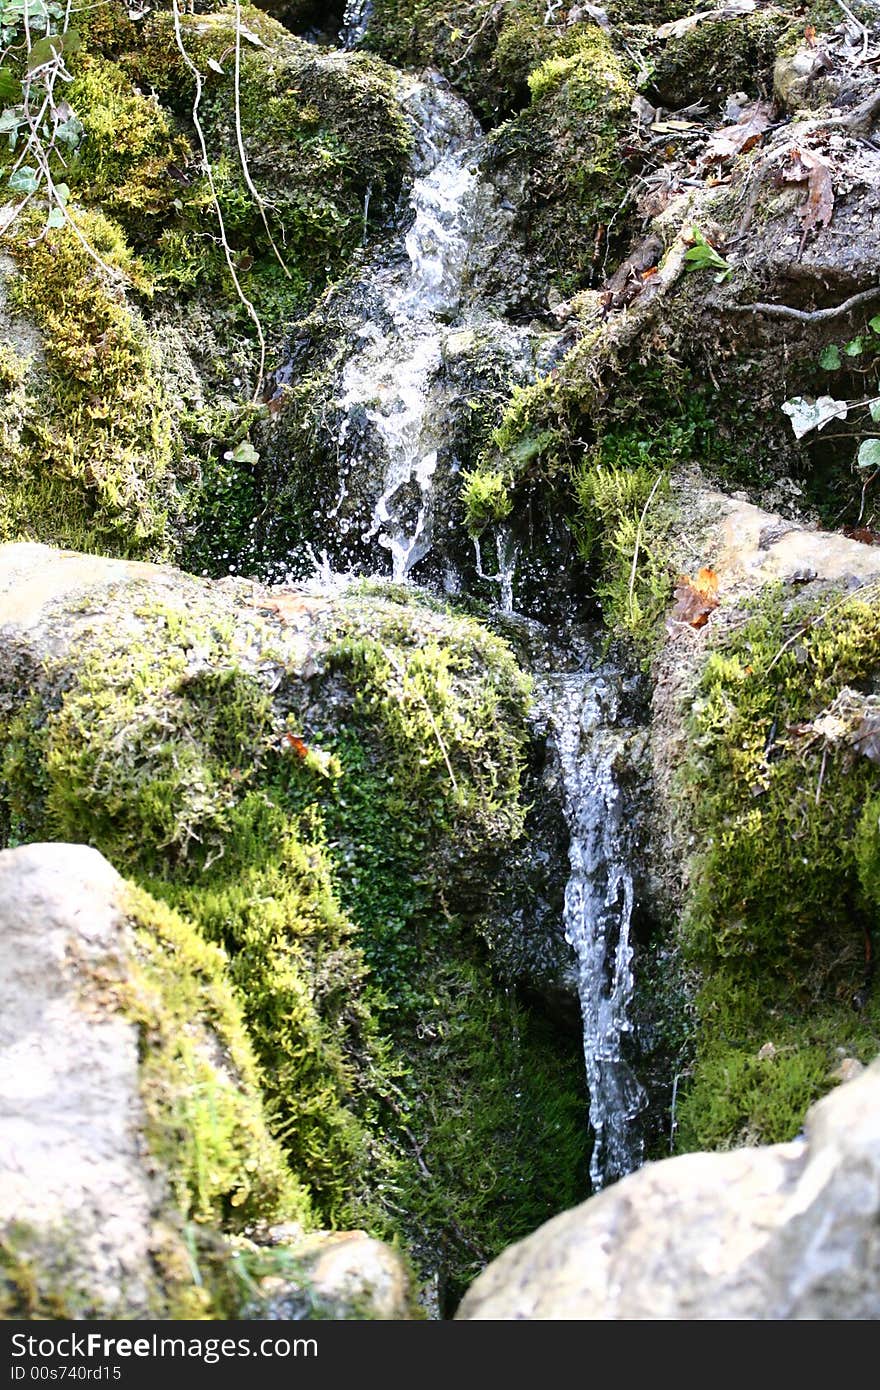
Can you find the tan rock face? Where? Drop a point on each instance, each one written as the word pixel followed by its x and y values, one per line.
pixel 74 1183
pixel 788 1232
pixel 347 1275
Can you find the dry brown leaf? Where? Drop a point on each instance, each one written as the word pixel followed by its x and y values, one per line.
pixel 866 737
pixel 819 206
pixel 696 598
pixel 738 138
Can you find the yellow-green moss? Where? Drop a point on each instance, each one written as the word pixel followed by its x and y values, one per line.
pixel 130 162
pixel 199 1080
pixel 783 874
pixel 89 463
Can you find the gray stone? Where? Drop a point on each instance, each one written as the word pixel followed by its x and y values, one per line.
pixel 75 1186
pixel 785 1232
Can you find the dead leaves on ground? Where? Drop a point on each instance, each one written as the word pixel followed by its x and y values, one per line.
pixel 740 137
pixel 696 598
pixel 806 166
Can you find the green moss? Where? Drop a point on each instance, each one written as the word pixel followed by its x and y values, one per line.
pixel 783 880
pixel 718 57
pixel 130 163
pixel 345 888
pixel 563 151
pixel 23 1291
pixel 204 1116
pixel 89 462
pixel 623 522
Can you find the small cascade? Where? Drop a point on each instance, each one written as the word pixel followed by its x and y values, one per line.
pixel 355 19
pixel 583 709
pixel 507 553
pixel 394 400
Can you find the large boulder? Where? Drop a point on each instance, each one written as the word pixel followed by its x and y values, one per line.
pixel 788 1232
pixel 324 783
pixel 133 1124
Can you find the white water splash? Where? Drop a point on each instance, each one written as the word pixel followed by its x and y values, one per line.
pixel 395 378
pixel 598 909
pixel 507 552
pixel 355 19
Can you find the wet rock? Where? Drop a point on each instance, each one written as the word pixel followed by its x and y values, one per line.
pixel 341 1274
pixel 787 1232
pixel 801 81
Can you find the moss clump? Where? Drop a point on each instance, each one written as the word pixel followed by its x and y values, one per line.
pixel 89 462
pixel 783 877
pixel 334 845
pixel 22 1292
pixel 199 1081
pixel 623 521
pixel 718 57
pixel 130 163
pixel 563 152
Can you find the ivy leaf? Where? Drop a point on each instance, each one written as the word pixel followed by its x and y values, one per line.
pixel 55 219
pixel 869 454
pixel 10 87
pixel 855 347
pixel 70 131
pixel 25 180
pixel 45 51
pixel 874 323
pixel 806 415
pixel 830 358
pixel 243 453
pixel 874 408
pixel 11 120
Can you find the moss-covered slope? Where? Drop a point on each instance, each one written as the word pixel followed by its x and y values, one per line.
pixel 325 790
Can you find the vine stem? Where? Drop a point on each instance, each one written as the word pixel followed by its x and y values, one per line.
pixel 209 174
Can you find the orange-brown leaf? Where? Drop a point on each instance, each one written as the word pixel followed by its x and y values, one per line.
pixel 737 139
pixel 696 598
pixel 296 744
pixel 816 211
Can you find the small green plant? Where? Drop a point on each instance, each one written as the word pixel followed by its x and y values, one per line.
pixel 703 256
pixel 807 415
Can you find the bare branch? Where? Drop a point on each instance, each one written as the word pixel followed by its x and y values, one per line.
pixel 785 311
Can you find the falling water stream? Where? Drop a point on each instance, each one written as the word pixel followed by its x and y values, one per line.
pixel 394 396
pixel 422 296
pixel 583 710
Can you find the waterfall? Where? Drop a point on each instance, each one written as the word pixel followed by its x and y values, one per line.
pixel 393 406
pixel 583 709
pixel 355 19
pixel 394 397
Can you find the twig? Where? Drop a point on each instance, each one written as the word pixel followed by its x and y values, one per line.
pixel 209 173
pixel 635 561
pixel 821 773
pixel 242 153
pixel 785 311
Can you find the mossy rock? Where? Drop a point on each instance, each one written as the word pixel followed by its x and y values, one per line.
pixel 718 57
pixel 561 159
pixel 323 788
pixel 782 901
